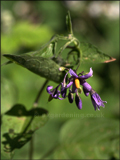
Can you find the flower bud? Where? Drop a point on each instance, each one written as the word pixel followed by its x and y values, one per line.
pixel 78 101
pixel 70 97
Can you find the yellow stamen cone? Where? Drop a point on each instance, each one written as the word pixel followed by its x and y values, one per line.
pixel 77 83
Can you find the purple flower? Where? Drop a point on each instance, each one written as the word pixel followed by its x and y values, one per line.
pixel 53 93
pixel 80 80
pixel 96 100
pixel 73 84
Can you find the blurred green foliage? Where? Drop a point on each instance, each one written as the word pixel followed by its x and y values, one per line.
pixel 24 34
pixel 33 23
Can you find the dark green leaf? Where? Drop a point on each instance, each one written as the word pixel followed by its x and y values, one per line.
pixel 44 67
pixel 18 126
pixel 90 53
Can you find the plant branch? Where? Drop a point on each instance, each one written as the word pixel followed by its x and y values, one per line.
pixel 35 104
pixel 39 94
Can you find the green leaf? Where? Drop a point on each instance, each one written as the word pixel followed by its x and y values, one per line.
pixel 44 67
pixel 7 99
pixel 88 139
pixel 46 51
pixel 90 53
pixel 18 126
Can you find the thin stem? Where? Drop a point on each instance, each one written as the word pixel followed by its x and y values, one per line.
pixel 39 94
pixel 80 53
pixel 79 58
pixel 62 48
pixel 31 149
pixel 54 39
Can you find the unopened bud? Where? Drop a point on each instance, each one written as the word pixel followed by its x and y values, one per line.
pixel 62 68
pixel 80 90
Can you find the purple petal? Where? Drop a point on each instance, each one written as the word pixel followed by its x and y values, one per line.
pixel 86 88
pixel 49 88
pixel 69 84
pixel 87 75
pixel 86 92
pixel 96 100
pixel 74 89
pixel 78 101
pixel 60 98
pixel 54 93
pixel 63 91
pixel 72 73
pixel 94 104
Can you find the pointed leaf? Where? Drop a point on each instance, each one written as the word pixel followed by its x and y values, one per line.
pixel 90 53
pixel 44 67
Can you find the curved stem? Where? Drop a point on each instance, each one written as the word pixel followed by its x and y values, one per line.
pixel 39 94
pixel 62 48
pixel 77 46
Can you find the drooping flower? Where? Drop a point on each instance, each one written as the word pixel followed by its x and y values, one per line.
pixel 53 93
pixel 96 100
pixel 73 85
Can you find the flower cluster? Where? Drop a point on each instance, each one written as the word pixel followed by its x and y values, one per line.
pixel 73 85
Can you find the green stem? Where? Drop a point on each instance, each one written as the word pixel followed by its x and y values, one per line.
pixel 66 44
pixel 77 46
pixel 39 94
pixel 54 39
pixel 31 149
